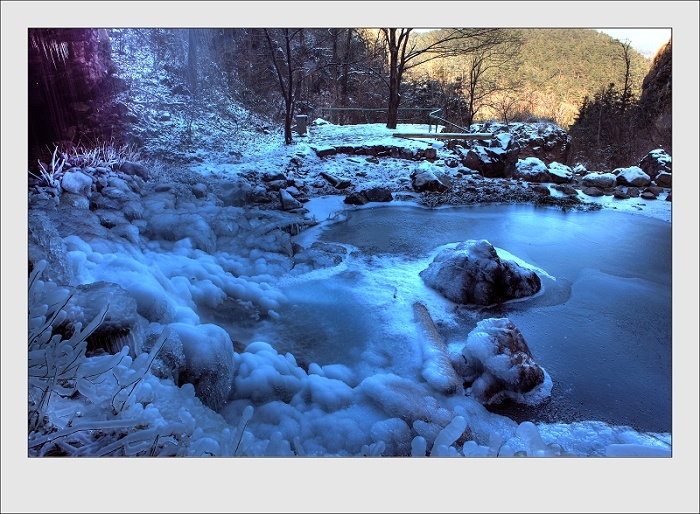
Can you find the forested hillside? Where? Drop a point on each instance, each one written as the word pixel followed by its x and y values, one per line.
pixel 103 84
pixel 616 126
pixel 549 75
pixel 571 64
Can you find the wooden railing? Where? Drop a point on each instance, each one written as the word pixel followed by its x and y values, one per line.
pixel 433 116
pixel 445 135
pixel 369 114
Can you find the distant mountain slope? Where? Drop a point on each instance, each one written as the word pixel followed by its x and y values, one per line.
pixel 574 63
pixel 576 60
pixel 557 68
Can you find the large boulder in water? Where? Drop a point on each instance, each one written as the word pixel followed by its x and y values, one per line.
pixel 496 363
pixel 472 272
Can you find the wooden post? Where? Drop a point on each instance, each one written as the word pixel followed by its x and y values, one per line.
pixel 302 122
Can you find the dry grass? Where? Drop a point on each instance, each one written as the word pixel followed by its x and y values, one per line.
pixel 98 155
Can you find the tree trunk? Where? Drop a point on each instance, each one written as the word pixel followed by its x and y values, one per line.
pixel 346 68
pixel 392 114
pixel 289 111
pixel 287 85
pixel 289 101
pixel 192 61
pixel 393 110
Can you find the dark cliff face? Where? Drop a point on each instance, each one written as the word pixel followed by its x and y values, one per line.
pixel 606 135
pixel 68 86
pixel 655 100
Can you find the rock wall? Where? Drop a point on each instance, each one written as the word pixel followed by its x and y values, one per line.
pixel 69 87
pixel 655 100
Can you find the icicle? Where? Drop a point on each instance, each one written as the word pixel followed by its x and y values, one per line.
pixel 240 429
pixel 418 446
pixel 449 434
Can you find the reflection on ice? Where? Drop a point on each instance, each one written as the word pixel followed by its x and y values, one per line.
pixel 601 322
pixel 330 355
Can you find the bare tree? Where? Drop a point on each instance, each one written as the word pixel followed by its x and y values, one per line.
pixel 192 60
pixel 317 65
pixel 487 69
pixel 405 51
pixel 344 64
pixel 341 60
pixel 288 72
pixel 505 103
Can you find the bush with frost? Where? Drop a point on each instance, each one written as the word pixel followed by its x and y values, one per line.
pixel 98 155
pixel 96 406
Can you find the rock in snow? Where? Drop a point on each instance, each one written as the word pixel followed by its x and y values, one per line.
pixel 496 363
pixel 473 273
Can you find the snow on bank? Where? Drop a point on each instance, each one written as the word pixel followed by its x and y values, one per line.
pixel 393 173
pixel 281 406
pixel 659 209
pixel 195 263
pixel 202 262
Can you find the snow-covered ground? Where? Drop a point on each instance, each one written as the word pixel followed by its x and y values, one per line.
pixel 334 411
pixel 192 260
pixel 276 407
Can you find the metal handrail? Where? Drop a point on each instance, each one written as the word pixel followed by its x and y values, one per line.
pixel 431 110
pixel 434 116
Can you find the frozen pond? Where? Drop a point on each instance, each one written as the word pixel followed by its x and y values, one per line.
pixel 601 327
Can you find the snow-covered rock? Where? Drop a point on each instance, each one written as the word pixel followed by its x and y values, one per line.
pixel 496 363
pixel 76 182
pixel 288 201
pixel 632 176
pixel 209 365
pixel 545 140
pixel 532 169
pixel 560 173
pixel 493 162
pixel 425 179
pixel 663 179
pixel 655 162
pixel 600 180
pixel 134 168
pixel 175 226
pixel 473 273
pixel 121 326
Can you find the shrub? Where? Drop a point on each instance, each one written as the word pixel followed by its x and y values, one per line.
pixel 98 155
pixel 58 367
pixel 49 175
